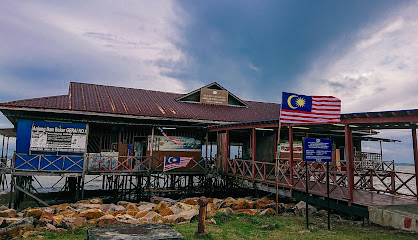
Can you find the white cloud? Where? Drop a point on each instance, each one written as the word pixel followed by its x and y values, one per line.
pixel 254 68
pixel 46 44
pixel 376 72
pixel 135 44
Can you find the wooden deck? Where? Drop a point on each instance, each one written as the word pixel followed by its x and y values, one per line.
pixel 361 197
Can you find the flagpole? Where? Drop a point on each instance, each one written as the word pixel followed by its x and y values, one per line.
pixel 277 169
pixel 164 164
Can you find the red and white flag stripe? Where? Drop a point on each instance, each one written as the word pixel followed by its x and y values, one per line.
pixel 183 163
pixel 325 109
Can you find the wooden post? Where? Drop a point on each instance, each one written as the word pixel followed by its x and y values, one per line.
pixel 206 152
pixel 226 150
pixel 152 148
pixel 349 162
pixel 203 201
pixel 211 154
pixel 254 151
pixel 151 144
pixel 7 147
pixel 2 149
pixel 381 151
pixel 307 168
pixel 415 148
pixel 292 181
pixel 85 162
pixel 12 188
pixel 275 144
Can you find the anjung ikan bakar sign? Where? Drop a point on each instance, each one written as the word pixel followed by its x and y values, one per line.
pixel 58 139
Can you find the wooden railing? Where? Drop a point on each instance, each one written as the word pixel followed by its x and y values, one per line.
pixel 135 164
pixel 5 163
pixel 392 182
pixel 94 163
pixel 257 171
pixel 368 156
pixel 117 164
pixel 48 163
pixel 382 181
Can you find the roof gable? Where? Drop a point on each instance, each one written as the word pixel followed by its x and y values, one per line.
pixel 199 96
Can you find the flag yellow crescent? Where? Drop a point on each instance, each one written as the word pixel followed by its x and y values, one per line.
pixel 289 101
pixel 170 160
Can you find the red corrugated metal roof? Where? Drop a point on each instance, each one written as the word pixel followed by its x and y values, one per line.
pixel 54 102
pixel 140 102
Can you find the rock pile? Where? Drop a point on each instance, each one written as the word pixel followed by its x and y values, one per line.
pixel 70 216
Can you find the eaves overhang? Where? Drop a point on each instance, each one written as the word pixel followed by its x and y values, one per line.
pixel 86 113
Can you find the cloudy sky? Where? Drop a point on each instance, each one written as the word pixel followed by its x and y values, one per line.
pixel 363 52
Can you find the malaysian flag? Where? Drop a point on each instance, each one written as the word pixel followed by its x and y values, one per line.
pixel 175 162
pixel 309 109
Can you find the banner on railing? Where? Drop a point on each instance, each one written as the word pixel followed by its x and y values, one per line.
pixel 103 160
pixel 165 144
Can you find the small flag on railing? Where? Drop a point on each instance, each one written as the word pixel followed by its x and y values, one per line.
pixel 175 162
pixel 309 109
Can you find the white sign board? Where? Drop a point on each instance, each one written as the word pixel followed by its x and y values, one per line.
pixel 57 139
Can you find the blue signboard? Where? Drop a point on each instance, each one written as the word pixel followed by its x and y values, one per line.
pixel 318 150
pixel 50 146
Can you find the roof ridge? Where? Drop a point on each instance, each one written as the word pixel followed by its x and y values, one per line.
pixel 261 102
pixel 148 90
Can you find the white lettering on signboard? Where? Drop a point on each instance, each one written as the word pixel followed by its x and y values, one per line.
pixel 211 96
pixel 317 150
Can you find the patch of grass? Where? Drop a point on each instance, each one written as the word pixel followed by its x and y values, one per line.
pixel 78 234
pixel 243 226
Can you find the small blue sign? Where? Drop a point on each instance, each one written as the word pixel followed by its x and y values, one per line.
pixel 318 150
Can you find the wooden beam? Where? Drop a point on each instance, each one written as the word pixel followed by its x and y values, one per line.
pixel 415 148
pixel 397 114
pixel 245 126
pixel 31 195
pixel 400 119
pixel 111 115
pixel 349 161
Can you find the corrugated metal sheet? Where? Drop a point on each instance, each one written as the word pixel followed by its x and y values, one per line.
pixel 54 102
pixel 139 102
